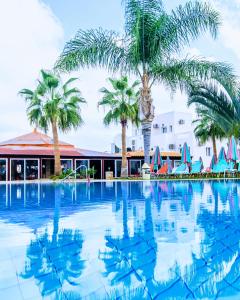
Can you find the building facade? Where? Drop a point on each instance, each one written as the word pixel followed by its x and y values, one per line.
pixel 170 131
pixel 31 157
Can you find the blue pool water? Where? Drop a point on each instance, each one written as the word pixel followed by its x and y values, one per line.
pixel 124 240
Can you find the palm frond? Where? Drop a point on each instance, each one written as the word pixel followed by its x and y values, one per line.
pixel 183 73
pixel 190 20
pixel 92 48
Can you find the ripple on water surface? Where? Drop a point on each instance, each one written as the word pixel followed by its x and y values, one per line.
pixel 121 240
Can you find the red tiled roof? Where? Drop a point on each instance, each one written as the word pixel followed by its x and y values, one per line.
pixel 33 138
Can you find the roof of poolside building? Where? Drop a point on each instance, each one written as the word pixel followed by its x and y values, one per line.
pixel 34 138
pixel 37 143
pixel 140 153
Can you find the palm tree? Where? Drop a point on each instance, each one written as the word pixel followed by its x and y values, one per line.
pixel 123 107
pixel 149 49
pixel 220 103
pixel 56 105
pixel 207 128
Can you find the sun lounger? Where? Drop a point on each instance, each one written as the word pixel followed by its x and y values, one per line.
pixel 163 169
pixel 231 167
pixel 196 167
pixel 221 167
pixel 182 169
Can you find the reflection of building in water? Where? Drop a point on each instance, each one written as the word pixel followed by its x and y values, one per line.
pixel 171 223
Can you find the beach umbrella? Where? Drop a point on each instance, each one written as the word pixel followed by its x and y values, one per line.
pixel 222 155
pixel 213 161
pixel 232 153
pixel 156 159
pixel 186 157
pixel 169 163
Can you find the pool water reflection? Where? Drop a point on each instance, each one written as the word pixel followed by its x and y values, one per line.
pixel 121 240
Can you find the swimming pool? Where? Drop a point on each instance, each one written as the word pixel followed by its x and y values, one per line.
pixel 120 240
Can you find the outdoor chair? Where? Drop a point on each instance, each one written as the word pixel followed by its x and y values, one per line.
pixel 163 170
pixel 182 169
pixel 221 167
pixel 231 168
pixel 196 167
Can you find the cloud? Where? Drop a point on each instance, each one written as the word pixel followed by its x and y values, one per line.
pixel 230 28
pixel 30 40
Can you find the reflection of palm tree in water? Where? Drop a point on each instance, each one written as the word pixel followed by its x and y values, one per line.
pixel 131 256
pixel 218 265
pixel 53 260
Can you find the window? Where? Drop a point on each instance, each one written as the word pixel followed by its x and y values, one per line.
pixel 66 164
pixel 171 147
pixel 82 165
pixel 133 145
pixel 181 122
pixel 22 169
pixel 135 167
pixel 118 166
pixel 208 151
pixel 170 128
pixel 17 169
pixel 3 169
pixel 164 129
pixel 31 169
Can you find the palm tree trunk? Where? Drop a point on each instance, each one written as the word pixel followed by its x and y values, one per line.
pixel 146 116
pixel 57 161
pixel 146 131
pixel 124 171
pixel 214 146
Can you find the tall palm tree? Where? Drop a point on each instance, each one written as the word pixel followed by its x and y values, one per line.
pixel 207 128
pixel 219 103
pixel 122 103
pixel 149 49
pixel 56 105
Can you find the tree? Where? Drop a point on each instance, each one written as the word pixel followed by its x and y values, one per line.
pixel 149 49
pixel 122 103
pixel 56 105
pixel 220 104
pixel 207 128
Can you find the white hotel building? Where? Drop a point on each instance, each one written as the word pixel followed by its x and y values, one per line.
pixel 169 132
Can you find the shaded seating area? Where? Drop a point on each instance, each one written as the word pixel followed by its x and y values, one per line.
pixel 185 161
pixel 182 169
pixel 221 165
pixel 226 164
pixel 197 166
pixel 163 170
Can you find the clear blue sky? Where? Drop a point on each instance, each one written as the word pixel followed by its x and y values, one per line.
pixel 86 14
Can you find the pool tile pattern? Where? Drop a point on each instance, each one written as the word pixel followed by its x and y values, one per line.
pixel 156 240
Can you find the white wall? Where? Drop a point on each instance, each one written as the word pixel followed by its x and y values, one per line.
pixel 180 134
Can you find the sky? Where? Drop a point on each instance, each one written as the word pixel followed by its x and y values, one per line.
pixel 33 34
